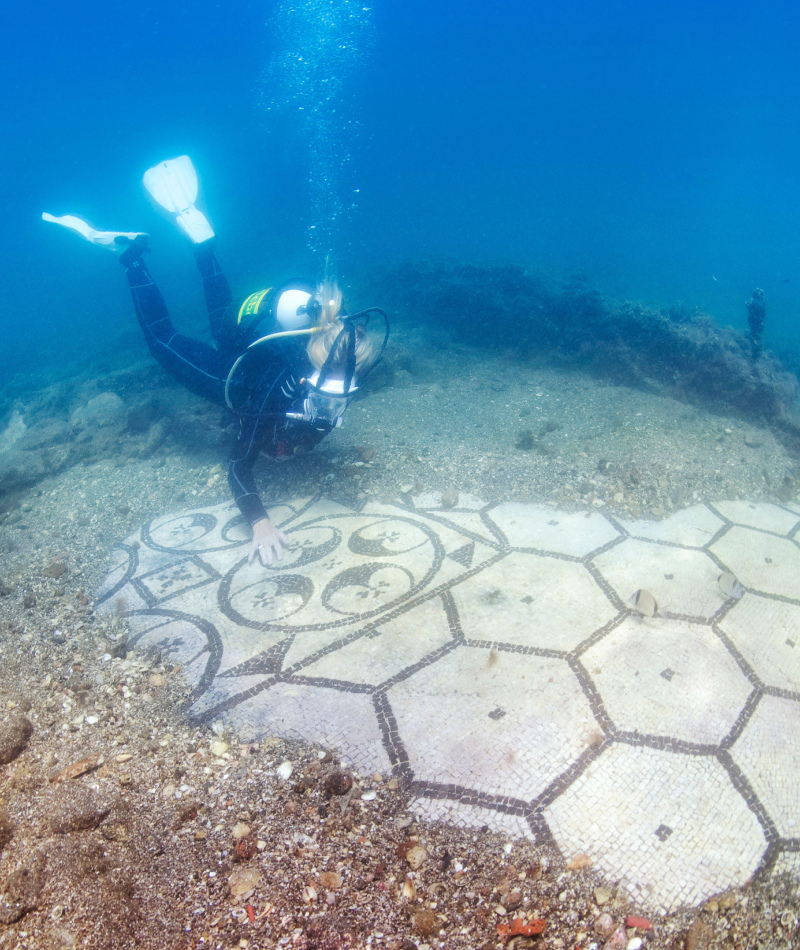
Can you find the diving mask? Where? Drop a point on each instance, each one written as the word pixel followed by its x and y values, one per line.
pixel 325 403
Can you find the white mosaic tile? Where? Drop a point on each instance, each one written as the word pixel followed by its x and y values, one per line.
pixel 532 601
pixel 471 817
pixel 326 717
pixel 760 561
pixel 758 514
pixel 505 724
pixel 355 640
pixel 395 646
pixel 470 521
pixel 767 634
pixel 692 527
pixel 683 581
pixel 668 678
pixel 768 752
pixel 546 529
pixel 672 827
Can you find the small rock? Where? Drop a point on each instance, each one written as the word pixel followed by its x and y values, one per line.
pixel 416 857
pixel 14 735
pixel 6 828
pixel 23 887
pixel 640 923
pixel 604 925
pixel 513 899
pixel 338 783
pixel 284 770
pixel 218 747
pixel 123 757
pixel 240 830
pixel 55 569
pixel 158 680
pixel 579 862
pixel 331 880
pixel 602 895
pixel 617 941
pixel 105 409
pixel 168 791
pixel 635 943
pixel 449 498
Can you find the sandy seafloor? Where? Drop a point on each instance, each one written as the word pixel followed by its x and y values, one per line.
pixel 113 858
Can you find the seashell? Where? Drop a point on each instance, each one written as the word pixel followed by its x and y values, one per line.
pixel 730 586
pixel 644 603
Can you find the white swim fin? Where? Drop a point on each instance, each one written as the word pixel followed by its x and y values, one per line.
pixel 173 184
pixel 111 240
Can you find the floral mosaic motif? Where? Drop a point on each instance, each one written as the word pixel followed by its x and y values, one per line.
pixel 488 656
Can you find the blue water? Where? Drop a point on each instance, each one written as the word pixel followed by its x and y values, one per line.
pixel 653 147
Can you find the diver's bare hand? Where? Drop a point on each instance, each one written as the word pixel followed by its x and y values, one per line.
pixel 268 543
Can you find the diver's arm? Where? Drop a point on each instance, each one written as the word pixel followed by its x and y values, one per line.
pixel 240 473
pixel 267 540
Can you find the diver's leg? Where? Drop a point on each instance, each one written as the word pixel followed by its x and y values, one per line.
pixel 199 367
pixel 219 299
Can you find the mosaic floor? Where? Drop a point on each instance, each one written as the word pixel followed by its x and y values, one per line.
pixel 489 657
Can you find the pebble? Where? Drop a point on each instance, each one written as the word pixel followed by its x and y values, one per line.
pixel 168 791
pixel 449 498
pixel 284 770
pixel 602 895
pixel 604 925
pixel 219 748
pixel 416 857
pixel 635 943
pixel 579 862
pixel 55 569
pixel 157 680
pixel 14 735
pixel 240 830
pixel 617 941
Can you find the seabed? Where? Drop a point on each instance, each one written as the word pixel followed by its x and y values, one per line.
pixel 488 657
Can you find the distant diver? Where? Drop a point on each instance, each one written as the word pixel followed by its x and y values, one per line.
pixel 287 362
pixel 756 315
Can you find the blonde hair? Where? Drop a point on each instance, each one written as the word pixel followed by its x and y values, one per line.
pixel 319 347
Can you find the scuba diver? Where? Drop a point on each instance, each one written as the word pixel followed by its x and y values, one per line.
pixel 287 362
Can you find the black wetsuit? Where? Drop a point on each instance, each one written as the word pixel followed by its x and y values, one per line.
pixel 264 391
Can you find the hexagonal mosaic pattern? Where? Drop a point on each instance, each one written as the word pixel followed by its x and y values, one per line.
pixel 490 658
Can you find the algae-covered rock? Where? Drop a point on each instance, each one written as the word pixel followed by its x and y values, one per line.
pixel 105 409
